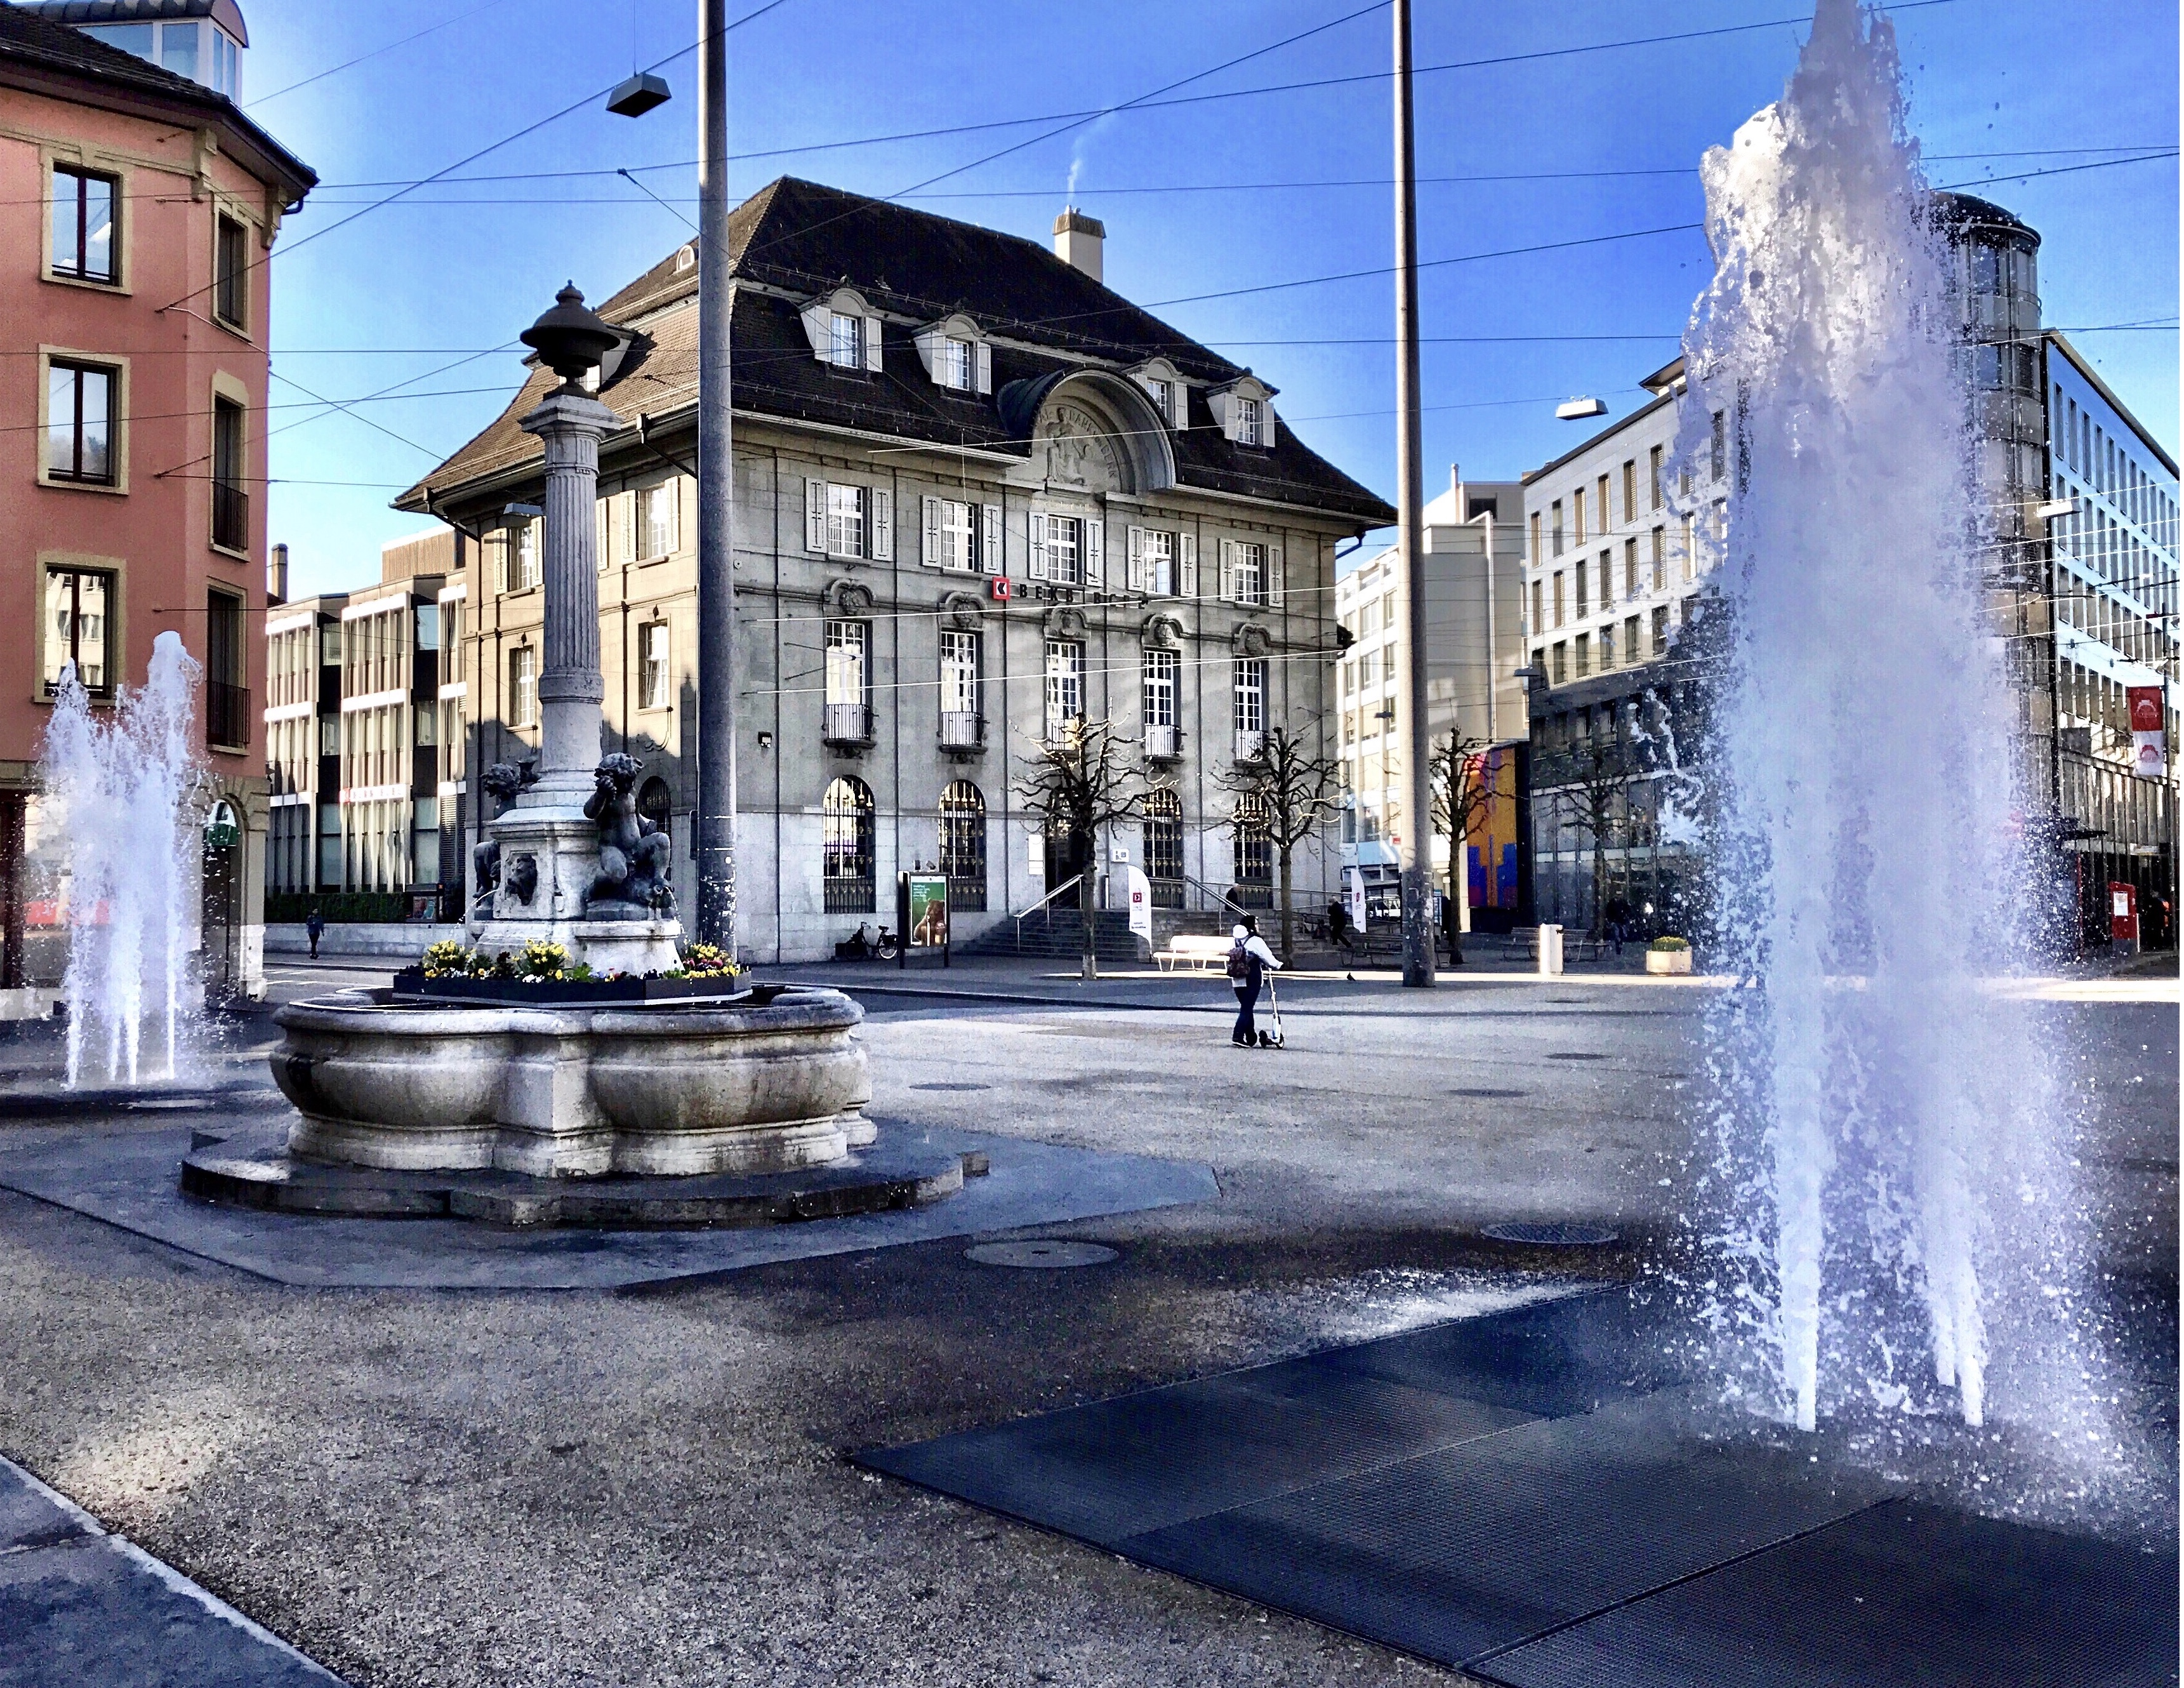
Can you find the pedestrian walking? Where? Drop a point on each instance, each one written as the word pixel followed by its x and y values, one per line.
pixel 1618 922
pixel 1249 961
pixel 1338 923
pixel 314 927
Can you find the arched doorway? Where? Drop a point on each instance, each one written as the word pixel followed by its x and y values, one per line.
pixel 846 832
pixel 963 844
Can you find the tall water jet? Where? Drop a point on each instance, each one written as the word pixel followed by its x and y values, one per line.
pixel 1872 1098
pixel 121 790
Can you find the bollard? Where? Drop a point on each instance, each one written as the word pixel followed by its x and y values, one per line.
pixel 1550 951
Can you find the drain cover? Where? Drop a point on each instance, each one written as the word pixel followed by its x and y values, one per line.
pixel 1549 1233
pixel 1046 1253
pixel 951 1087
pixel 1489 1094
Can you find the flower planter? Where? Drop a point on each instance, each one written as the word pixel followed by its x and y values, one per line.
pixel 412 985
pixel 1668 961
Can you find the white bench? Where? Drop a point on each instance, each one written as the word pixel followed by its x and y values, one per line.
pixel 1201 951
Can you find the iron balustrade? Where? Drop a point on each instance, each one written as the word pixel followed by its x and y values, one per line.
pixel 227 713
pixel 231 517
pixel 962 730
pixel 847 724
pixel 1163 743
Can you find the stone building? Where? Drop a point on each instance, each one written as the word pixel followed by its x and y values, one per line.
pixel 143 206
pixel 977 494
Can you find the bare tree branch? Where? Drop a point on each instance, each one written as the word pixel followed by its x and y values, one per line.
pixel 1078 782
pixel 1289 793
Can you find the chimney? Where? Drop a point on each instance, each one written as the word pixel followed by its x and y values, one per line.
pixel 276 575
pixel 1077 240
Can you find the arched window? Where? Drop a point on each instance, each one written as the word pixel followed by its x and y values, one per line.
pixel 1164 848
pixel 963 844
pixel 846 832
pixel 1254 853
pixel 655 802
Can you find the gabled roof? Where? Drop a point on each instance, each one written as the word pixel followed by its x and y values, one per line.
pixel 45 57
pixel 805 241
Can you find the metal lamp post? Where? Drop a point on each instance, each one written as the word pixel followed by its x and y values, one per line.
pixel 1414 850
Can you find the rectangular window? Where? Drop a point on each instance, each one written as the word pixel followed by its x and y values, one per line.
pixel 1560 614
pixel 1562 661
pixel 959 673
pixel 83 225
pixel 79 423
pixel 1555 527
pixel 1719 456
pixel 845 342
pixel 1251 429
pixel 1577 516
pixel 428 626
pixel 1159 563
pixel 1630 633
pixel 525 573
pixel 523 686
pixel 1250 689
pixel 1538 626
pixel 79 628
pixel 231 502
pixel 230 273
pixel 1248 576
pixel 1584 599
pixel 227 701
pixel 1584 642
pixel 1535 537
pixel 848 716
pixel 1163 669
pixel 1631 489
pixel 653 681
pixel 1607 518
pixel 951 366
pixel 1607 649
pixel 956 538
pixel 1630 568
pixel 1065 685
pixel 1163 397
pixel 178 49
pixel 1065 549
pixel 1661 630
pixel 845 514
pixel 1660 558
pixel 1653 469
pixel 656 523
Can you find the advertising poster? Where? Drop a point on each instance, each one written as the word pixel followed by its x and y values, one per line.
pixel 926 923
pixel 1141 905
pixel 1491 847
pixel 2149 732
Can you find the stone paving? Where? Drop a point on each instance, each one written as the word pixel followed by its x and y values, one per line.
pixel 650 1485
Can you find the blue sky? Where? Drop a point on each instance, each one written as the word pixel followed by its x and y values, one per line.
pixel 455 270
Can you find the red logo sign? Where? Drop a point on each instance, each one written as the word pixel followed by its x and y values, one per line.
pixel 2145 708
pixel 1000 587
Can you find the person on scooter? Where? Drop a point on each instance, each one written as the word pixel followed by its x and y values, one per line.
pixel 1249 961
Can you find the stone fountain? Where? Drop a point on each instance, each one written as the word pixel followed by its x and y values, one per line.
pixel 458 1096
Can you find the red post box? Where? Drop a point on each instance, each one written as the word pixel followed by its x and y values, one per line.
pixel 2123 912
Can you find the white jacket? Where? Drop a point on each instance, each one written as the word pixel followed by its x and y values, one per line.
pixel 1255 945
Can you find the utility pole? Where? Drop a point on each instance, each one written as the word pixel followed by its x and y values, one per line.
pixel 716 828
pixel 1414 853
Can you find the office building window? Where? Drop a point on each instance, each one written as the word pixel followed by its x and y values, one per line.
pixel 1584 599
pixel 653 674
pixel 1719 452
pixel 1163 669
pixel 1660 558
pixel 1536 539
pixel 84 248
pixel 1607 649
pixel 1065 686
pixel 1630 568
pixel 230 273
pixel 79 423
pixel 656 521
pixel 523 686
pixel 1538 626
pixel 1583 654
pixel 79 628
pixel 845 516
pixel 1249 690
pixel 1065 549
pixel 1560 614
pixel 1631 489
pixel 1577 516
pixel 1250 425
pixel 1631 630
pixel 846 845
pixel 1653 469
pixel 1606 519
pixel 525 565
pixel 1562 661
pixel 1555 526
pixel 1661 630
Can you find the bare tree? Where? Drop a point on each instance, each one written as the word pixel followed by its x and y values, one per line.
pixel 1593 775
pixel 1080 782
pixel 1461 795
pixel 1288 792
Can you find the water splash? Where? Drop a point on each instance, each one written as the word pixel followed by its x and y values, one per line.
pixel 1878 1108
pixel 121 794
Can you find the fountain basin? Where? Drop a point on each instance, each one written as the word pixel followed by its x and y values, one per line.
pixel 562 1091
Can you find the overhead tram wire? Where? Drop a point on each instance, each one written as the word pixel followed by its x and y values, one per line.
pixel 376 52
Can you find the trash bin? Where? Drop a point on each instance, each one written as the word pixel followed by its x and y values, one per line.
pixel 1550 951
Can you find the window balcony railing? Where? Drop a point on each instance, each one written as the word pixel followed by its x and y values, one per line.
pixel 847 724
pixel 227 713
pixel 962 730
pixel 1163 743
pixel 231 517
pixel 1250 746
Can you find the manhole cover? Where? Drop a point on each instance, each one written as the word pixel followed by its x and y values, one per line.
pixel 951 1087
pixel 1550 1233
pixel 1046 1254
pixel 1575 1055
pixel 1491 1095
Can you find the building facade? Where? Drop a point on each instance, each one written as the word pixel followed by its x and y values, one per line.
pixel 143 205
pixel 977 496
pixel 2076 513
pixel 1473 552
pixel 359 687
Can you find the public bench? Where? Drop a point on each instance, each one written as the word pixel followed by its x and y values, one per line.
pixel 1202 951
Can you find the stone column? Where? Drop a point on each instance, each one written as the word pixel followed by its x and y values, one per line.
pixel 569 425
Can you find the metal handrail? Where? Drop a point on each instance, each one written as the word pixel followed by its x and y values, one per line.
pixel 1020 919
pixel 1218 896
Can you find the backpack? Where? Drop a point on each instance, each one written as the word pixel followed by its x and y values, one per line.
pixel 1239 960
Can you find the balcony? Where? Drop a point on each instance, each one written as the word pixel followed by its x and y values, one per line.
pixel 962 732
pixel 847 727
pixel 231 517
pixel 1163 743
pixel 227 715
pixel 1250 746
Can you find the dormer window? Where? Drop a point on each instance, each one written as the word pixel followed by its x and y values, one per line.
pixel 1163 393
pixel 197 48
pixel 1170 396
pixel 846 343
pixel 1249 423
pixel 955 356
pixel 1244 414
pixel 953 366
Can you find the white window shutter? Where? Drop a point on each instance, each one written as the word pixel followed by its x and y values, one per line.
pixel 1224 413
pixel 1227 581
pixel 989 539
pixel 815 516
pixel 819 329
pixel 984 355
pixel 1275 577
pixel 881 509
pixel 1095 554
pixel 1037 527
pixel 1178 399
pixel 931 556
pixel 1266 424
pixel 599 533
pixel 1186 579
pixel 1134 576
pixel 872 343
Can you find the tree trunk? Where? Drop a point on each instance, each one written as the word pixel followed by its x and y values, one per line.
pixel 1091 968
pixel 1288 949
pixel 1599 884
pixel 1452 918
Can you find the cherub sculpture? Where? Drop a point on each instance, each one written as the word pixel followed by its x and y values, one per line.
pixel 634 851
pixel 502 781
